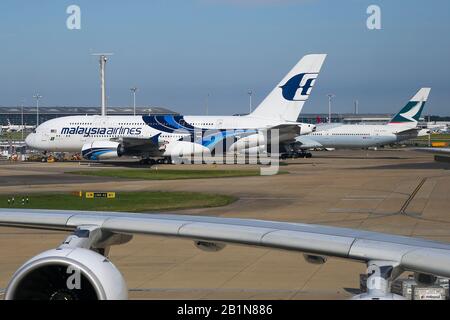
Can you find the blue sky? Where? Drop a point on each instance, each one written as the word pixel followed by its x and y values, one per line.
pixel 177 52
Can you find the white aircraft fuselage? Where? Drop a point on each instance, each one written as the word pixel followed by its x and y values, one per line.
pixel 403 126
pixel 359 136
pixel 102 137
pixel 70 134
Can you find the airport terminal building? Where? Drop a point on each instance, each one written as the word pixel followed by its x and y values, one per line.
pixel 15 114
pixel 347 118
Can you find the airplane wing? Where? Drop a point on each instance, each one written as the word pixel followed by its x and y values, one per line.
pixel 445 151
pixel 288 132
pixel 138 146
pixel 409 131
pixel 379 251
pixel 306 142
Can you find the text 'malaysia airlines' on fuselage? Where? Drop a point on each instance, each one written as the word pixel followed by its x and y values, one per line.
pixel 403 126
pixel 104 137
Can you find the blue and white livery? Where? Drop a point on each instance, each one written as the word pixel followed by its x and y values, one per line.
pixel 166 136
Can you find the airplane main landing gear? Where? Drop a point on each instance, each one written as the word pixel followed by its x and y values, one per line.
pixel 151 161
pixel 295 155
pixel 165 160
pixel 147 161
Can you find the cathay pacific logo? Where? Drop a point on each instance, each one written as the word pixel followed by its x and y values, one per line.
pixel 298 87
pixel 412 113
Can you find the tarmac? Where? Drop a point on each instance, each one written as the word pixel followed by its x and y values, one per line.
pixel 392 191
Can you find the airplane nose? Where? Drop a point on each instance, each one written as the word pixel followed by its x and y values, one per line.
pixel 29 140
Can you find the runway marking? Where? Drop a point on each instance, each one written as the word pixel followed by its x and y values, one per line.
pixel 362 199
pixel 267 198
pixel 344 210
pixel 209 289
pixel 227 290
pixel 411 197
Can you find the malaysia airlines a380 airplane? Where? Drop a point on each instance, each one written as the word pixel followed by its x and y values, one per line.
pixel 166 136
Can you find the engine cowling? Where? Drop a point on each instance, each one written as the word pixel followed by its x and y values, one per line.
pixel 182 149
pixel 100 150
pixel 67 274
pixel 252 141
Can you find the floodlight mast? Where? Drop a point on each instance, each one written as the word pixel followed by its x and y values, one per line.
pixel 38 97
pixel 103 58
pixel 133 90
pixel 330 97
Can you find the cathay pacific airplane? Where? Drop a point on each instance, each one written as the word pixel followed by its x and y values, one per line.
pixel 165 136
pixel 403 126
pixel 16 127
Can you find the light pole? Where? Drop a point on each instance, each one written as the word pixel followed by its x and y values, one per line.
pixel 330 96
pixel 133 90
pixel 37 96
pixel 23 128
pixel 250 94
pixel 356 106
pixel 103 58
pixel 206 104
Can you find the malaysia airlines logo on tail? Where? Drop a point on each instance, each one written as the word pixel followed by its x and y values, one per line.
pixel 298 87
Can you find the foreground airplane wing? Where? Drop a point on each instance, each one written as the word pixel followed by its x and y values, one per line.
pixel 386 256
pixel 445 151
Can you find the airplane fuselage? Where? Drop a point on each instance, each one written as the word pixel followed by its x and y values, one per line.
pixel 69 134
pixel 358 136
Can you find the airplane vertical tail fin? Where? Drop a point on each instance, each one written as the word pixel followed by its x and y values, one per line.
pixel 410 113
pixel 286 100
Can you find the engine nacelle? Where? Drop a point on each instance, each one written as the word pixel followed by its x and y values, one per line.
pixel 67 274
pixel 182 149
pixel 100 150
pixel 306 128
pixel 252 141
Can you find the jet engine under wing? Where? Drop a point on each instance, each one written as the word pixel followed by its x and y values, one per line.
pixel 407 253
